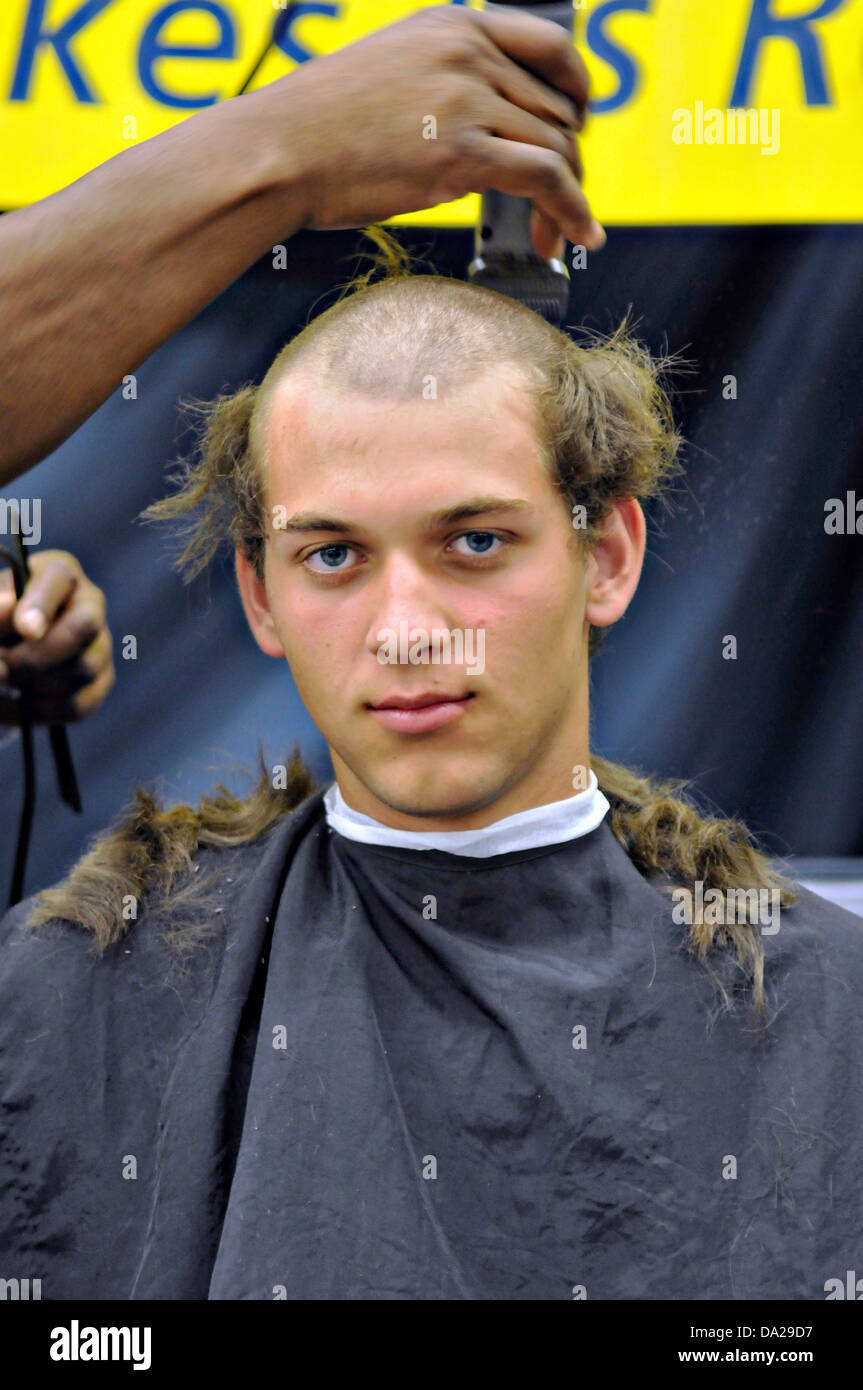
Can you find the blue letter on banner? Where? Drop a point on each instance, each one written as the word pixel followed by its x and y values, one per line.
pixel 151 49
pixel 764 25
pixel 602 46
pixel 34 36
pixel 288 44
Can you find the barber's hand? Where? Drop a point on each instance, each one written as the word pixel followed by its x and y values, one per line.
pixel 66 651
pixel 362 112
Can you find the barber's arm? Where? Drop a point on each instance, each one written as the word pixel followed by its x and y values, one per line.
pixel 55 636
pixel 94 278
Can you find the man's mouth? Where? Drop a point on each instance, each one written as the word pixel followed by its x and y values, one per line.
pixel 418 714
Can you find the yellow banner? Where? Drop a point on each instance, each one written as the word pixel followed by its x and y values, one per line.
pixel 703 111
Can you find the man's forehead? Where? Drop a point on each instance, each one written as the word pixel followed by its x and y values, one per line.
pixel 309 422
pixel 319 407
pixel 294 400
pixel 331 454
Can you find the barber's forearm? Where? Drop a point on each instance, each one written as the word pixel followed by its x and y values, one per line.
pixel 96 277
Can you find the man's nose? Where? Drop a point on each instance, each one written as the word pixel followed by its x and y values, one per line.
pixel 403 593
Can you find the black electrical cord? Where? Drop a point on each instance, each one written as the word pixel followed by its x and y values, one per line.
pixel 283 19
pixel 25 824
pixel 67 782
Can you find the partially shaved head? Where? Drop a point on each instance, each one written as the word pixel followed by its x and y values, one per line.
pixel 408 338
pixel 604 424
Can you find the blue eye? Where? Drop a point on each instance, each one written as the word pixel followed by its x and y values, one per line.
pixel 486 539
pixel 329 556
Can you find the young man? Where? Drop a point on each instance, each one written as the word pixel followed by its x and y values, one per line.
pixel 488 1017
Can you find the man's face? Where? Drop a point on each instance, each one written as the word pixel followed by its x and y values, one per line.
pixel 370 479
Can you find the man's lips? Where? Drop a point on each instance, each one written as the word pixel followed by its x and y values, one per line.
pixel 418 701
pixel 417 714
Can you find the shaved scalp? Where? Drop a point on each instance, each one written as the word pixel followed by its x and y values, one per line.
pixel 384 342
pixel 603 420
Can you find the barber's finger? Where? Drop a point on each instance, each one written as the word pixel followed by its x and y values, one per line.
pixel 542 46
pixel 544 176
pixel 520 87
pixel 59 709
pixel 548 240
pixel 7 602
pixel 91 696
pixel 510 122
pixel 45 592
pixel 66 678
pixel 72 676
pixel 71 634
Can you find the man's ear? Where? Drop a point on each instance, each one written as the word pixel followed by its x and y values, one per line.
pixel 615 563
pixel 256 605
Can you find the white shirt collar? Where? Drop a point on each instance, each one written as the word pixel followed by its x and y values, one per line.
pixel 554 823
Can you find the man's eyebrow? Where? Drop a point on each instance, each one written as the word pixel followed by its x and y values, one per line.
pixel 446 516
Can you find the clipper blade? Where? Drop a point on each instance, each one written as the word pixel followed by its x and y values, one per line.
pixel 540 285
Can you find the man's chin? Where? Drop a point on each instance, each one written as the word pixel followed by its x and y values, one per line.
pixel 429 804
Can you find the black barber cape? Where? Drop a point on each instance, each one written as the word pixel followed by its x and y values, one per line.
pixel 409 1074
